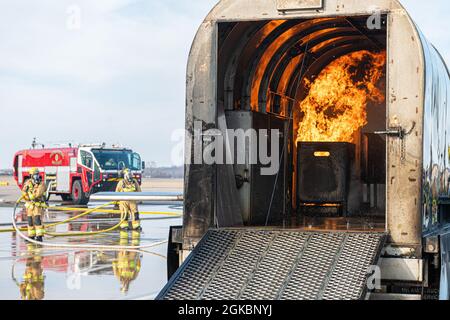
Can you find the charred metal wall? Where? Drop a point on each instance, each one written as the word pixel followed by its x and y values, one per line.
pixel 199 182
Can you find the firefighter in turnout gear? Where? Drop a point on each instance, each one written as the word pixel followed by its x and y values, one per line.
pixel 129 208
pixel 128 264
pixel 33 192
pixel 32 285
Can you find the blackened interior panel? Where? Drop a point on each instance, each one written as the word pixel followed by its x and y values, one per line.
pixel 269 191
pixel 373 164
pixel 262 196
pixel 228 210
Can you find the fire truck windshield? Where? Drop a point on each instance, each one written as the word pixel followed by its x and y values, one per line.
pixel 117 159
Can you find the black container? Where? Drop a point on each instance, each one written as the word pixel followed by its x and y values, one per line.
pixel 324 172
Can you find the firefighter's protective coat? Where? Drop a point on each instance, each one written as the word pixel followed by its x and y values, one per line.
pixel 34 196
pixel 129 207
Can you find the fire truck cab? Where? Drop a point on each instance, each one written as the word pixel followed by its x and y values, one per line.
pixel 75 173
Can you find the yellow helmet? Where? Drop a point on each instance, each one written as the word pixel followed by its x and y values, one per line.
pixel 128 175
pixel 35 175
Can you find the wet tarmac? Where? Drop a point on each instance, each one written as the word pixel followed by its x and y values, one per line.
pixel 32 272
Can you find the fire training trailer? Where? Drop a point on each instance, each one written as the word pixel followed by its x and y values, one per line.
pixel 360 207
pixel 75 173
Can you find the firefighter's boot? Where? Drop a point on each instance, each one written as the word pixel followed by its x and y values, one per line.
pixel 136 222
pixel 124 225
pixel 39 228
pixel 31 229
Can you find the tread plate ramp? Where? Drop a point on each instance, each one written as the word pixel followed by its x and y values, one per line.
pixel 249 264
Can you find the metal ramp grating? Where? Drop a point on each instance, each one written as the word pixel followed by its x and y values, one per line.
pixel 248 264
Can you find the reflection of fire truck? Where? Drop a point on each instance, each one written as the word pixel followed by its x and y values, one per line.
pixel 75 173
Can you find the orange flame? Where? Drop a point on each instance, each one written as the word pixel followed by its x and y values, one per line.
pixel 335 107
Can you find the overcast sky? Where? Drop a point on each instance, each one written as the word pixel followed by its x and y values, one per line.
pixel 120 76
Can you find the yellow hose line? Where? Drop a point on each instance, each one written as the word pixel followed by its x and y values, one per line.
pixel 89 211
pixel 78 216
pixel 175 214
pixel 85 213
pixel 80 246
pixel 77 234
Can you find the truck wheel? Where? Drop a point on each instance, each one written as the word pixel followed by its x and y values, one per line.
pixel 66 197
pixel 78 195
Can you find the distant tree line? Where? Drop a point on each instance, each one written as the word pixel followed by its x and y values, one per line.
pixel 6 172
pixel 164 172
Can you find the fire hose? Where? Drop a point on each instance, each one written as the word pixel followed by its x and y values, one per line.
pixel 89 211
pixel 80 246
pixel 85 213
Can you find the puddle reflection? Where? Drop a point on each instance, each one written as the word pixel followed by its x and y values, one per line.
pixel 32 285
pixel 128 263
pixel 48 273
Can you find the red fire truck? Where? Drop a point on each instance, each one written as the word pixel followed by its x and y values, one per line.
pixel 75 173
